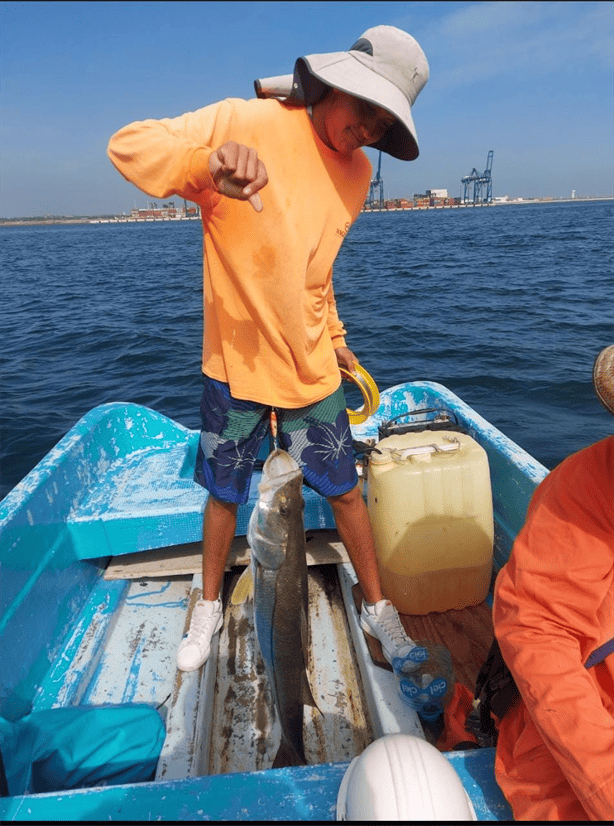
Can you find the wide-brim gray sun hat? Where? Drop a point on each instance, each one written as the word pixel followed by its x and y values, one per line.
pixel 385 66
pixel 603 377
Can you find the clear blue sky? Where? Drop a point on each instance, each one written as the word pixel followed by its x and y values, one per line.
pixel 531 80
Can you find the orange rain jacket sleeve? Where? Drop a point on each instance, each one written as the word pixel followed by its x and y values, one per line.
pixel 554 605
pixel 271 323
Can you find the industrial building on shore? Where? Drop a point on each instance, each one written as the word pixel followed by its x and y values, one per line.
pixel 431 198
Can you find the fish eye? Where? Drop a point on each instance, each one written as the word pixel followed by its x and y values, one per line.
pixel 283 510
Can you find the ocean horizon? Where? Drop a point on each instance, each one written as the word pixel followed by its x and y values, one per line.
pixel 506 307
pixel 116 217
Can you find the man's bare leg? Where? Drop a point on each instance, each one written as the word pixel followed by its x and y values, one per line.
pixel 219 525
pixel 378 616
pixel 352 520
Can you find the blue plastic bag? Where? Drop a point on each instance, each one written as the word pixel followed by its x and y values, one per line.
pixel 77 747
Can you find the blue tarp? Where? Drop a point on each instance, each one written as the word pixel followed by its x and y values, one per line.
pixel 77 747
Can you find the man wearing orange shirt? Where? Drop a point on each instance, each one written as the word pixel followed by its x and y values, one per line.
pixel 554 621
pixel 279 184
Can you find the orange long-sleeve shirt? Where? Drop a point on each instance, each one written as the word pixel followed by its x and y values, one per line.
pixel 270 319
pixel 554 605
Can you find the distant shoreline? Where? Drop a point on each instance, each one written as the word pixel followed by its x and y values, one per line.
pixel 118 219
pixel 494 204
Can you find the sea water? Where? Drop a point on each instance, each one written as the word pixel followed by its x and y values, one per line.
pixel 507 306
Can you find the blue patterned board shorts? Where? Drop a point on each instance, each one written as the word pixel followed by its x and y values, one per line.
pixel 318 437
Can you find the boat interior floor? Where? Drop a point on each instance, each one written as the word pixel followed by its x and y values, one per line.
pixel 220 719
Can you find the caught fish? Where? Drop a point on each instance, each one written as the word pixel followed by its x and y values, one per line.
pixel 276 537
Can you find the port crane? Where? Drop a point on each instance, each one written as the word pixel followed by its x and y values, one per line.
pixel 481 181
pixel 377 183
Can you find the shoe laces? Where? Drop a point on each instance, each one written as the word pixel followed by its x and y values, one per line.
pixel 390 622
pixel 202 618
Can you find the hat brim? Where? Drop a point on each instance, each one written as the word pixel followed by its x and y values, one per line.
pixel 345 72
pixel 603 377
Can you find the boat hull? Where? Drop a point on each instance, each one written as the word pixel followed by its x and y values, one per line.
pixel 120 483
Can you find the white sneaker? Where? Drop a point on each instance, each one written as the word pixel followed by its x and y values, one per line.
pixel 194 648
pixel 381 620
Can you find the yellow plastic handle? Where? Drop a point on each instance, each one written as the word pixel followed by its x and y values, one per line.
pixel 369 391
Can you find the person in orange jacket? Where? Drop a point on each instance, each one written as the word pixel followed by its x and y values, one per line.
pixel 553 610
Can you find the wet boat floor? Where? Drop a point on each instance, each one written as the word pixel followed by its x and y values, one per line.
pixel 245 732
pixel 221 719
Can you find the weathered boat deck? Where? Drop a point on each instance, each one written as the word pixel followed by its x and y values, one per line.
pixel 220 719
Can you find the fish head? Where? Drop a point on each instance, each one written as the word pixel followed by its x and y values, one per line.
pixel 278 513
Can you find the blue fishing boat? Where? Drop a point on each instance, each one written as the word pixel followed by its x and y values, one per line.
pixel 100 569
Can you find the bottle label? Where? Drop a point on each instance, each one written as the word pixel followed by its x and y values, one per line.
pixel 417 696
pixel 405 665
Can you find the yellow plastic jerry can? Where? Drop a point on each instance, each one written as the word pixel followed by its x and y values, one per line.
pixel 430 505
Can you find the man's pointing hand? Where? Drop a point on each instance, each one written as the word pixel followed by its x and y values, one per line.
pixel 238 173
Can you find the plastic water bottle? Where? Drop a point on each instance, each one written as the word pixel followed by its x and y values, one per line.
pixel 425 679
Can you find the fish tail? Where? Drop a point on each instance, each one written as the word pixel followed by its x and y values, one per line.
pixel 244 589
